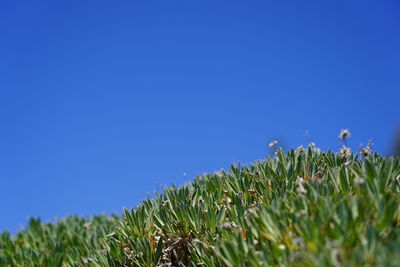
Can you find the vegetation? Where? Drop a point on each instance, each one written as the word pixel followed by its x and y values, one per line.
pixel 300 208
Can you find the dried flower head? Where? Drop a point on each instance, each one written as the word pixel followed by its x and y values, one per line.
pixel 249 212
pixel 227 225
pixel 127 250
pixel 273 144
pixel 344 133
pixel 87 260
pixel 345 152
pixel 300 150
pixel 366 151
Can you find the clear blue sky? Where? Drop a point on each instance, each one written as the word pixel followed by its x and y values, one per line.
pixel 103 101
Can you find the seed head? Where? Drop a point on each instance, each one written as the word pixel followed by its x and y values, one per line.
pixel 345 152
pixel 366 151
pixel 228 225
pixel 249 212
pixel 344 133
pixel 300 150
pixel 273 144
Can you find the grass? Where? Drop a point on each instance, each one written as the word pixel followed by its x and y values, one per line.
pixel 300 208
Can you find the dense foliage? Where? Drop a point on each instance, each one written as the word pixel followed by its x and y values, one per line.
pixel 301 208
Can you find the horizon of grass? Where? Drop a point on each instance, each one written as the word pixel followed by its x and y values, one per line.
pixel 304 207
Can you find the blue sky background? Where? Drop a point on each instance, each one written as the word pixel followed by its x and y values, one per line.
pixel 104 101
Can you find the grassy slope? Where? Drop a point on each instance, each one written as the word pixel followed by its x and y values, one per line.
pixel 300 209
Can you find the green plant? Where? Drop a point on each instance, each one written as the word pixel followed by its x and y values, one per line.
pixel 300 208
